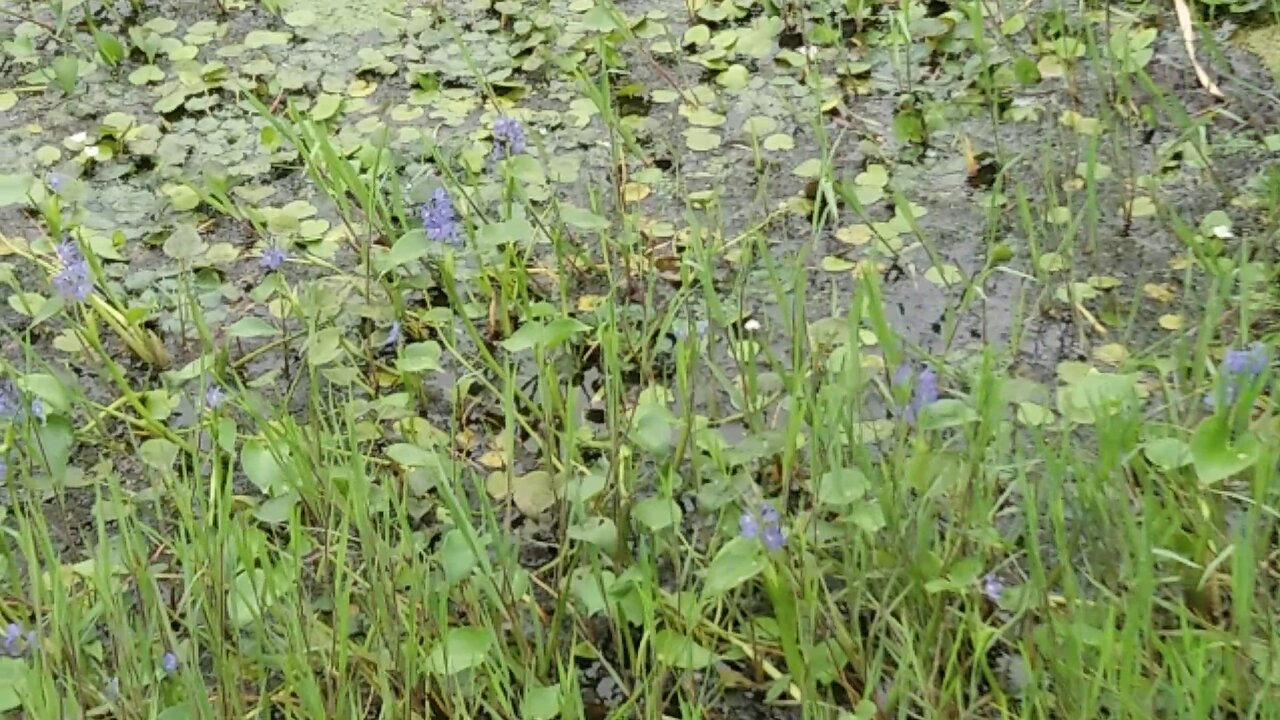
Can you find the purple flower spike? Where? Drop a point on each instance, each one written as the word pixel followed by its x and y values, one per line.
pixel 1239 368
pixel 925 392
pixel 992 587
pixel 73 281
pixel 508 137
pixel 439 218
pixel 768 514
pixel 393 335
pixel 214 396
pixel 15 642
pixel 773 538
pixel 12 634
pixel 1248 363
pixel 169 662
pixel 10 401
pixel 273 258
pixel 902 375
pixel 765 523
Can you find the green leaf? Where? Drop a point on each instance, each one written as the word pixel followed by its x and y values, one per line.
pixel 411 246
pixel 158 453
pixel 535 492
pixel 701 139
pixel 656 513
pixel 411 455
pixel 181 197
pixel 49 389
pixel 420 357
pixel 653 428
pixel 263 468
pixel 527 336
pixel 1167 453
pixel 945 413
pixel 515 231
pixel 456 557
pixel 251 327
pixel 184 243
pixel 680 651
pixel 908 125
pixel 276 510
pixel 1215 456
pixel 109 48
pixel 66 71
pixel 737 562
pixel 540 702
pixel 14 188
pixel 535 334
pixel 13 674
pixel 841 487
pixel 461 649
pixel 810 168
pixel 867 516
pixel 1033 414
pixel 582 219
pixel 323 347
pixel 562 329
pixel 874 176
pixel 55 440
pixel 263 38
pixel 588 588
pixel 181 711
pixel 526 169
pixel 326 106
pixel 250 595
pixel 1096 395
pixel 598 531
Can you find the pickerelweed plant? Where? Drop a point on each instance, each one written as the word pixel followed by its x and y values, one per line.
pixel 835 360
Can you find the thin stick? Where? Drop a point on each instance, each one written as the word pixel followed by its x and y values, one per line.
pixel 1189 42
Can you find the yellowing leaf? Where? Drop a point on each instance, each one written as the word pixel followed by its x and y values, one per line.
pixel 854 234
pixel 759 125
pixel 1032 414
pixel 1162 292
pixel 1171 321
pixel 493 459
pixel 534 493
pixel 702 117
pixel 943 275
pixel 1052 262
pixel 779 141
pixel 361 88
pixel 635 192
pixel 808 169
pixel 874 175
pixel 1141 206
pixel 588 303
pixel 701 140
pixel 832 263
pixel 1111 354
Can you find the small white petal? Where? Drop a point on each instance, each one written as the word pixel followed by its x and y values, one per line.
pixel 751 325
